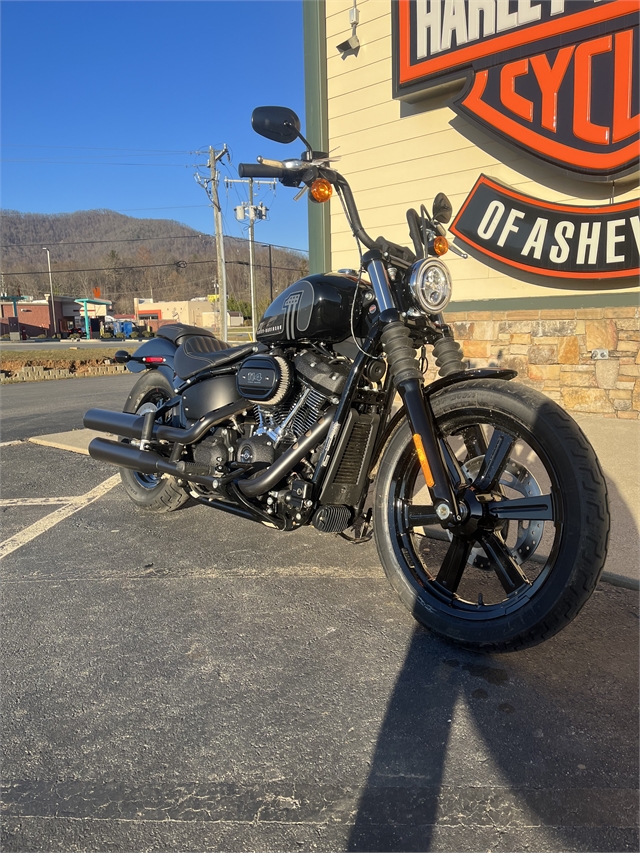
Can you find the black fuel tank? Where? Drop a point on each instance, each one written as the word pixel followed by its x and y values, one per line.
pixel 316 308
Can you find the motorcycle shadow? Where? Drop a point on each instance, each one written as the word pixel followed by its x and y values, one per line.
pixel 533 750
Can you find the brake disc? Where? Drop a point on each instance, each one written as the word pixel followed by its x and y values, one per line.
pixel 517 478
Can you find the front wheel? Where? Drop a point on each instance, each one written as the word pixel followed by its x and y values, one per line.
pixel 536 547
pixel 153 492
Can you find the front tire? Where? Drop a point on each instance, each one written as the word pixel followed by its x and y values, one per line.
pixel 518 582
pixel 152 492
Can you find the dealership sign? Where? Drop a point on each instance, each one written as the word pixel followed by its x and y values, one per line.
pixel 557 79
pixel 557 240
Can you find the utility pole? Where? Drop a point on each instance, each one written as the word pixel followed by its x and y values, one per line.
pixel 255 211
pixel 211 187
pixel 53 305
pixel 270 275
pixel 252 277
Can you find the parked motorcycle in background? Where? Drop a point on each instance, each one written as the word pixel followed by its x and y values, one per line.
pixel 489 507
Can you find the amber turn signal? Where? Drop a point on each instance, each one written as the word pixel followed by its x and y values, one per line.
pixel 440 246
pixel 321 190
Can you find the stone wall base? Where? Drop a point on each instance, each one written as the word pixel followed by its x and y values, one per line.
pixel 554 351
pixel 40 374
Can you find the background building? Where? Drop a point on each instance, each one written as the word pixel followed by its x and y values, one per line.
pixel 526 115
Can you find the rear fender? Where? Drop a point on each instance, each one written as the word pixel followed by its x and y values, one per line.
pixel 155 347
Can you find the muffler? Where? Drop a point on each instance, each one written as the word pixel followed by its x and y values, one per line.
pixel 144 461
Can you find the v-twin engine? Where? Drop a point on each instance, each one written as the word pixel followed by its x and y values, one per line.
pixel 318 382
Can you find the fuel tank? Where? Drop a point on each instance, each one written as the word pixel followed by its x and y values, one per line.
pixel 316 308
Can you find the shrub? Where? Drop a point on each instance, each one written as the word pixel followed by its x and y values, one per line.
pixel 133 336
pixel 120 336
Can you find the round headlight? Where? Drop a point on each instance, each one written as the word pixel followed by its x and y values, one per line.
pixel 430 285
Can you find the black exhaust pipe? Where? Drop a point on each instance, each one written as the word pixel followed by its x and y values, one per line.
pixel 147 462
pixel 144 461
pixel 130 426
pixel 259 485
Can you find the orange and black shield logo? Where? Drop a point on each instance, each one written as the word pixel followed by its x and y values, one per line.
pixel 558 79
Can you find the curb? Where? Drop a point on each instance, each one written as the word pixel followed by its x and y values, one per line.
pixel 620 580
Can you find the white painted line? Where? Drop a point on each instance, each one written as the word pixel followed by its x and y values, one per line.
pixel 38 501
pixel 10 443
pixel 29 533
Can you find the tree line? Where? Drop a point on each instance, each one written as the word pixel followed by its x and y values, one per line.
pixel 122 257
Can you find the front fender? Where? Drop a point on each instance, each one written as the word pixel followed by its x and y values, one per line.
pixel 433 388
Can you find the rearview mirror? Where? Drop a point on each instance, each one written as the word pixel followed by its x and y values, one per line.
pixel 277 123
pixel 442 209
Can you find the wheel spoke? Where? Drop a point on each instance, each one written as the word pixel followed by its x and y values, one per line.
pixel 454 564
pixel 539 508
pixel 453 466
pixel 418 515
pixel 475 441
pixel 494 460
pixel 509 572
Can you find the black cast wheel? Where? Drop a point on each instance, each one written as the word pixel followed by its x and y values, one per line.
pixel 534 547
pixel 153 492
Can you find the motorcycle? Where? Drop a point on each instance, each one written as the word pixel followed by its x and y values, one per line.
pixel 486 501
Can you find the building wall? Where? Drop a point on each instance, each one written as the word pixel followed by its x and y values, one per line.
pixel 35 320
pixel 397 155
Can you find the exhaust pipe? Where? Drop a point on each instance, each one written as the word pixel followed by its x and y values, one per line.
pixel 259 485
pixel 147 462
pixel 130 426
pixel 144 461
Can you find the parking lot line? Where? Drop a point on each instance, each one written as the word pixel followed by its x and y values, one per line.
pixel 38 501
pixel 71 506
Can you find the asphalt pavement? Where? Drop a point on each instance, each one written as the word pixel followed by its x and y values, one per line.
pixel 198 682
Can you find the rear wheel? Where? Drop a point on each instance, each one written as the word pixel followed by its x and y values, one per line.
pixel 533 551
pixel 153 492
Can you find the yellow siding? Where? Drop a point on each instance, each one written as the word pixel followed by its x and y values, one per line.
pixel 397 156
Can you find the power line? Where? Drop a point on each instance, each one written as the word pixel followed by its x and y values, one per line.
pixel 117 240
pixel 93 148
pixel 129 267
pixel 92 163
pixel 144 239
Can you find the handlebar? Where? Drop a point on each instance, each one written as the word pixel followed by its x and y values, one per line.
pixel 261 170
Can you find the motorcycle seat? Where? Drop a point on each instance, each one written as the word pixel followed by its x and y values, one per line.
pixel 177 333
pixel 201 352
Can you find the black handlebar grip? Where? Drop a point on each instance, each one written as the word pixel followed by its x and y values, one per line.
pixel 259 170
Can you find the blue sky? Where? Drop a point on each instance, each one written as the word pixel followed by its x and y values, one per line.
pixel 90 87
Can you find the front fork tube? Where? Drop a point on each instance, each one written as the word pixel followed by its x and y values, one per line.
pixel 408 380
pixel 425 432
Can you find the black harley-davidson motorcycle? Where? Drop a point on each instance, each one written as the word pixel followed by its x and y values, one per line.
pixel 487 503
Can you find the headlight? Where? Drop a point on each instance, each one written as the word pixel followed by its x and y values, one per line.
pixel 430 285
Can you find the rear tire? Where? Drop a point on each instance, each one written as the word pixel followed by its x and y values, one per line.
pixel 518 584
pixel 151 492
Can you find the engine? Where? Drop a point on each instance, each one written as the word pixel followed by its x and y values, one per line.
pixel 291 398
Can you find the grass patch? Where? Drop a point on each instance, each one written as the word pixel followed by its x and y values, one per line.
pixel 60 358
